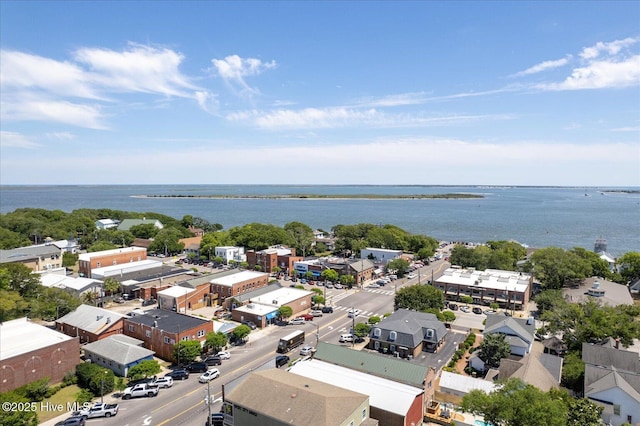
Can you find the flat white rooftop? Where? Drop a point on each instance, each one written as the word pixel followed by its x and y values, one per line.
pixel 176 291
pixel 239 277
pixel 64 282
pixel 21 336
pixel 280 297
pixel 490 278
pixel 126 267
pixel 89 256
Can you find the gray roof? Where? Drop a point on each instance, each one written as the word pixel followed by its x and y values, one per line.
pixel 258 292
pixel 516 326
pixel 91 318
pixel 373 363
pixel 198 281
pixel 602 361
pixel 270 392
pixel 170 321
pixel 123 351
pixel 611 380
pixel 22 254
pixel 608 357
pixel 410 327
pixel 361 265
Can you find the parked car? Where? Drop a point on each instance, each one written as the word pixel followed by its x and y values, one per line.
pixel 307 317
pixel 327 309
pixel 465 309
pixel 209 375
pixel 178 374
pixel 477 310
pixel 328 285
pixel 72 421
pixel 149 302
pixel 224 354
pixel 373 285
pixel 252 325
pixel 281 360
pixel 297 321
pixel 306 350
pixel 163 382
pixel 197 367
pixel 316 313
pixel 489 311
pixel 338 286
pixel 453 306
pixel 346 338
pixel 212 360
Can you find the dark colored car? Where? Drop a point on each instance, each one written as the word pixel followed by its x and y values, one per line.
pixel 217 419
pixel 178 375
pixel 72 421
pixel 453 306
pixel 252 325
pixel 307 317
pixel 476 310
pixel 212 360
pixel 281 360
pixel 327 309
pixel 149 302
pixel 197 367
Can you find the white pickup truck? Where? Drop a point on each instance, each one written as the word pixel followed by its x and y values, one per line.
pixel 98 410
pixel 142 389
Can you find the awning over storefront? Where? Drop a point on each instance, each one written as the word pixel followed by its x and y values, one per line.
pixel 272 315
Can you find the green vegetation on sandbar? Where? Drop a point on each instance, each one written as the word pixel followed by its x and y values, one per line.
pixel 327 196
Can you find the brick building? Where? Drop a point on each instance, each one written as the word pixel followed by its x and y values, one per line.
pixel 101 259
pixel 90 323
pixel 29 352
pixel 226 287
pixel 160 330
pixel 268 259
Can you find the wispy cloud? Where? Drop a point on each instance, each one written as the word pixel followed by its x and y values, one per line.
pixel 343 117
pixel 233 69
pixel 601 66
pixel 626 129
pixel 544 66
pixel 74 91
pixel 16 140
pixel 63 136
pixel 394 100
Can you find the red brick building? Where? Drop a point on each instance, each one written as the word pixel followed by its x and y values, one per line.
pixel 228 286
pixel 160 330
pixel 101 259
pixel 90 323
pixel 29 352
pixel 268 259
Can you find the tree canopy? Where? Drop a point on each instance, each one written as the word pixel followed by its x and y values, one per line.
pixel 493 348
pixel 502 255
pixel 419 298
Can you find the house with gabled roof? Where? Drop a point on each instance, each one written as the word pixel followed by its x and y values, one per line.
pixel 407 333
pixel 519 332
pixel 90 323
pixel 276 397
pixel 118 353
pixel 612 380
pixel 37 258
pixel 75 286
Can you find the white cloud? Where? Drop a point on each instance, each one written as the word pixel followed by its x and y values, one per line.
pixel 342 117
pixel 626 129
pixel 395 100
pixel 544 66
pixel 35 88
pixel 601 75
pixel 611 48
pixel 233 69
pixel 207 101
pixel 16 140
pixel 63 136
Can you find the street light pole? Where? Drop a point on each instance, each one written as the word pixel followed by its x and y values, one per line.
pixel 317 334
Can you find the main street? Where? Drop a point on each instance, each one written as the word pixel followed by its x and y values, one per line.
pixel 183 404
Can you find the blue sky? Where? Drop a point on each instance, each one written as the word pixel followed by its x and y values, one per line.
pixel 467 93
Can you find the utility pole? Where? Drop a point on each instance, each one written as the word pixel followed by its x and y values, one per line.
pixel 353 326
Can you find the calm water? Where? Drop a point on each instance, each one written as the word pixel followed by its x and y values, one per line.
pixel 537 216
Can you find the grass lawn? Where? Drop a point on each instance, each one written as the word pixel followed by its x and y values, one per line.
pixel 65 397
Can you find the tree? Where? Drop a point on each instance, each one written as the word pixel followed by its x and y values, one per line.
pixel 111 285
pixel 18 277
pixel 285 311
pixel 493 348
pixel 466 299
pixel 547 300
pixel 318 299
pixel 69 260
pixel 276 270
pixel 374 319
pixel 241 332
pixel 146 368
pixel 98 380
pixel 399 265
pixel 144 230
pixel 448 316
pixel 52 304
pixel 629 266
pixel 309 275
pixel 10 240
pixel 362 329
pixel 12 305
pixel 216 341
pixel 101 246
pixel 301 235
pixel 419 298
pixel 573 372
pixel 17 417
pixel 347 280
pixel 516 403
pixel 329 275
pixel 186 350
pixel 555 267
pixel 166 241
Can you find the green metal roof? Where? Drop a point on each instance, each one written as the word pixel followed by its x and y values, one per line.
pixel 375 364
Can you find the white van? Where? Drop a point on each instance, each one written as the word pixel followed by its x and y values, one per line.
pixel 344 338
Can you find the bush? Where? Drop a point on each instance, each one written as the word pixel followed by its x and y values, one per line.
pixel 83 396
pixel 52 391
pixel 37 391
pixel 69 379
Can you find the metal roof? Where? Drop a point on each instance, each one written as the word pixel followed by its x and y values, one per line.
pixel 120 350
pixel 90 318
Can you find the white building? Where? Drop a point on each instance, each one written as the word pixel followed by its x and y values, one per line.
pixel 229 253
pixel 75 286
pixel 379 255
pixel 106 223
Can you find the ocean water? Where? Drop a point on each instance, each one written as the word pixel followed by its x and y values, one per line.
pixel 536 216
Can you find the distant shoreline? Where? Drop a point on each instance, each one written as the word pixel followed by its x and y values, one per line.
pixel 321 196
